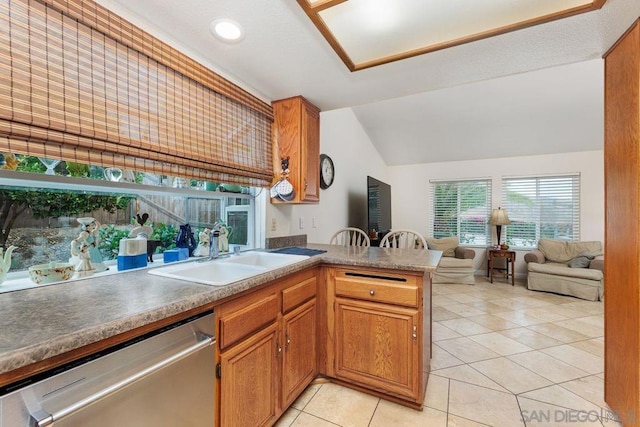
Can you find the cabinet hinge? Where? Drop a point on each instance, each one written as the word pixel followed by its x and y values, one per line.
pixel 218 371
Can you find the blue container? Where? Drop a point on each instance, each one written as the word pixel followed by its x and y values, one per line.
pixel 127 262
pixel 177 254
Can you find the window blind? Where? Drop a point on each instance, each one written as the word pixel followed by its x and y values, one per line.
pixel 541 207
pixel 462 209
pixel 78 83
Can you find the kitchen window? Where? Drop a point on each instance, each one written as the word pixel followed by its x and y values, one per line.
pixel 40 206
pixel 541 207
pixel 461 208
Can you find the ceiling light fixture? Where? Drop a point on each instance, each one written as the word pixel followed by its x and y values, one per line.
pixel 227 30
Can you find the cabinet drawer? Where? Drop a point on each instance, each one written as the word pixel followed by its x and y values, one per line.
pixel 380 287
pixel 239 324
pixel 295 295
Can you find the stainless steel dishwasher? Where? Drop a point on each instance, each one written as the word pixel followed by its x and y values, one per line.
pixel 164 378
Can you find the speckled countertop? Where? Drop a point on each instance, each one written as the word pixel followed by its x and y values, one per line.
pixel 39 323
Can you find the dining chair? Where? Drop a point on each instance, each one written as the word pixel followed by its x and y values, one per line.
pixel 403 239
pixel 350 236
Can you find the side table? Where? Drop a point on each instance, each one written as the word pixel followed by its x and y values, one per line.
pixel 510 259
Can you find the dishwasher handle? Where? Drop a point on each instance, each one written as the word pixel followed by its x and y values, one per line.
pixel 42 418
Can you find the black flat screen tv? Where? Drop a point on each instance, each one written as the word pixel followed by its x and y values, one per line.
pixel 379 206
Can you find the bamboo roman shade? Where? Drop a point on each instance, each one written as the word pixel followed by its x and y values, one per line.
pixel 78 83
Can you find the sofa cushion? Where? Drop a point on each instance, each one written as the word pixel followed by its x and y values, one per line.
pixel 562 270
pixel 451 262
pixel 563 252
pixel 447 245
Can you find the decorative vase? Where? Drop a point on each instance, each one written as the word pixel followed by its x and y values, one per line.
pixel 113 174
pixel 50 164
pixel 5 263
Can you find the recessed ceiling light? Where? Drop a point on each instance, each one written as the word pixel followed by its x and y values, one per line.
pixel 227 30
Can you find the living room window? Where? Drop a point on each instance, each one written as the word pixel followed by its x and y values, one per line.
pixel 541 207
pixel 461 208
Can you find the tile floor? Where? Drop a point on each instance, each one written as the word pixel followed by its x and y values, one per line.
pixel 503 356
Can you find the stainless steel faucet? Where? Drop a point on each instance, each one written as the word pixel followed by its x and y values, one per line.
pixel 214 246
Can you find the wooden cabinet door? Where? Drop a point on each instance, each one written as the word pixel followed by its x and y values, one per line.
pixel 622 227
pixel 310 151
pixel 296 133
pixel 299 365
pixel 376 345
pixel 249 377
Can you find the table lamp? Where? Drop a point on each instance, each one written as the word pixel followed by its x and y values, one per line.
pixel 499 218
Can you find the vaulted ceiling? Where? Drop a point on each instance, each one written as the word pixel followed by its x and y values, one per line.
pixel 534 90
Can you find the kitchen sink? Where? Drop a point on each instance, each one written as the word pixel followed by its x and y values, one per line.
pixel 223 271
pixel 265 259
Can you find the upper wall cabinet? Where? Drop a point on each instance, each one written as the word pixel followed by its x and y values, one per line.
pixel 296 132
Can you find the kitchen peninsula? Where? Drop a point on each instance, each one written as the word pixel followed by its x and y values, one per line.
pixel 351 292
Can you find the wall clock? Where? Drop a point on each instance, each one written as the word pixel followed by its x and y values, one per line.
pixel 327 171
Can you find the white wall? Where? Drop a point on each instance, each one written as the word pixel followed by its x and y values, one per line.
pixel 354 157
pixel 410 189
pixel 345 202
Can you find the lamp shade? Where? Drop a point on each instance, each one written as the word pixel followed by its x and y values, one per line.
pixel 499 217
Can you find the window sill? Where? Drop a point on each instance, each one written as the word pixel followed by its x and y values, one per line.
pixel 19 280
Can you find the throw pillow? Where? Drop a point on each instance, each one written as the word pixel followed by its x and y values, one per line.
pixel 587 254
pixel 447 245
pixel 580 262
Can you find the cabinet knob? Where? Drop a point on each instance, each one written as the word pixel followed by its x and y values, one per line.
pixel 415 332
pixel 305 183
pixel 286 346
pixel 372 292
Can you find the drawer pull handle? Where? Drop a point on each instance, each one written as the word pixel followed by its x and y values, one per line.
pixel 372 292
pixel 375 276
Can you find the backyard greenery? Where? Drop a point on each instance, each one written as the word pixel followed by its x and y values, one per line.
pixel 40 222
pixel 45 203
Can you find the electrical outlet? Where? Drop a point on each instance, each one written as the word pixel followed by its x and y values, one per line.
pixel 313 222
pixel 301 221
pixel 273 224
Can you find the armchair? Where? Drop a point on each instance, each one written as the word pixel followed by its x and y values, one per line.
pixel 456 264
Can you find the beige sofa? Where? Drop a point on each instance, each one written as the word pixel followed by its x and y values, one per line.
pixel 456 264
pixel 567 268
